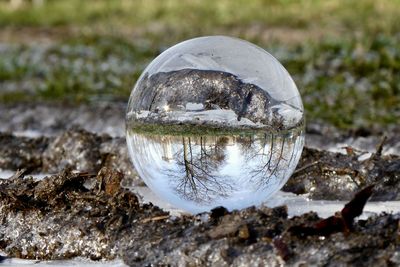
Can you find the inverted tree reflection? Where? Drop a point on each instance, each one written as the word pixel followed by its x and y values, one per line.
pixel 202 169
pixel 199 175
pixel 269 156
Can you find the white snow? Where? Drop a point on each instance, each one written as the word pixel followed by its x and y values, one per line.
pixel 29 133
pixel 297 204
pixel 366 145
pixel 195 112
pixel 223 116
pixel 291 116
pixel 5 174
pixel 64 263
pixel 194 106
pixel 141 114
pixel 148 196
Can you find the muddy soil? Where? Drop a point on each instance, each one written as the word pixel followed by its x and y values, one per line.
pixel 76 149
pixel 49 119
pixel 81 209
pixel 321 174
pixel 78 214
pixel 329 176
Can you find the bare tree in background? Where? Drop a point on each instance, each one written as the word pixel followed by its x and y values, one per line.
pixel 268 151
pixel 198 178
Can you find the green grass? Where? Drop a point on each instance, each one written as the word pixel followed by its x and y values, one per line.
pixel 202 130
pixel 175 18
pixel 348 84
pixel 343 55
pixel 76 70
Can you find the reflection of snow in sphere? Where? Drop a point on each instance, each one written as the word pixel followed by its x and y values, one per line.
pixel 215 121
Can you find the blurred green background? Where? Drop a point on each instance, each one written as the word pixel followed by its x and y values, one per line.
pixel 343 55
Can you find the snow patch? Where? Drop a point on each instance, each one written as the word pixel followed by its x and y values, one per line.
pixel 194 106
pixel 215 116
pixel 297 204
pixel 290 115
pixel 13 262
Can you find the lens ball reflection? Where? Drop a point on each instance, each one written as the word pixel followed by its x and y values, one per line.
pixel 215 121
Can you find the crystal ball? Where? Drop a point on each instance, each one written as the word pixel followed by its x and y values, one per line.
pixel 215 121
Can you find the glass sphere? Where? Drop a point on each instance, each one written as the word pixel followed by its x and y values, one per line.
pixel 215 121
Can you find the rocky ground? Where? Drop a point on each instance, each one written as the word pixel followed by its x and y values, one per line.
pixel 82 209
